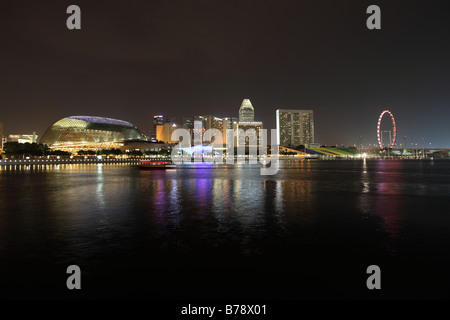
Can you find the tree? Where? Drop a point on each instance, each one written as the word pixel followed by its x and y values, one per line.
pixel 135 153
pixel 16 149
pixel 116 152
pixel 60 153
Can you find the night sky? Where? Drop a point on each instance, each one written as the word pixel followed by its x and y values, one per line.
pixel 134 59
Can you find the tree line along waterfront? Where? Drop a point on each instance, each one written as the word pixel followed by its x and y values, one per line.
pixel 15 150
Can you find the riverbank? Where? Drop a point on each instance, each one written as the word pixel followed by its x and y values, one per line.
pixel 134 161
pixel 40 162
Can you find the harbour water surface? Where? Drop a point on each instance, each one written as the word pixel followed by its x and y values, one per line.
pixel 197 232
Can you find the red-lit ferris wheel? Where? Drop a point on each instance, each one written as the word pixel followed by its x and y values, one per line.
pixel 392 134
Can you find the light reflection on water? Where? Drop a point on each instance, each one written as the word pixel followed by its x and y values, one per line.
pixel 222 216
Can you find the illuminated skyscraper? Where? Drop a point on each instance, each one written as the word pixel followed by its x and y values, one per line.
pixel 1 136
pixel 246 112
pixel 228 123
pixel 295 127
pixel 188 122
pixel 250 131
pixel 157 120
pixel 251 128
pixel 164 132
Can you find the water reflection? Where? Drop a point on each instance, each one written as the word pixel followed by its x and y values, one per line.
pixel 221 197
pixel 203 195
pixel 279 201
pixel 211 218
pixel 99 191
pixel 381 197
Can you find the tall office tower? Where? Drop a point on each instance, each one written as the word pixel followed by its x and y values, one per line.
pixel 251 132
pixel 217 123
pixel 188 122
pixel 208 121
pixel 164 132
pixel 158 120
pixel 246 111
pixel 295 127
pixel 248 124
pixel 227 123
pixel 1 136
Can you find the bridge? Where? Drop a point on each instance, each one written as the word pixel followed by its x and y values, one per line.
pixel 411 152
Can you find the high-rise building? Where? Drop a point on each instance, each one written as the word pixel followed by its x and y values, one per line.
pixel 246 111
pixel 1 136
pixel 188 122
pixel 248 124
pixel 23 138
pixel 217 123
pixel 164 132
pixel 157 120
pixel 295 127
pixel 251 131
pixel 228 123
pixel 208 121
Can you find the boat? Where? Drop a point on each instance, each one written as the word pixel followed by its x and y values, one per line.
pixel 151 164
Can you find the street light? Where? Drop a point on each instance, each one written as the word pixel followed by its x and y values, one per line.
pixel 423 149
pixel 406 148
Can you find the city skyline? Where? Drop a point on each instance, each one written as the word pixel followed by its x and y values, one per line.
pixel 234 157
pixel 132 61
pixel 162 119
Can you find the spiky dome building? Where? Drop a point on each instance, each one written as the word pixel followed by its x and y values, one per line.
pixel 88 132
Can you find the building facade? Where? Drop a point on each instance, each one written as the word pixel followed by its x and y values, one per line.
pixel 295 127
pixel 157 120
pixel 228 123
pixel 248 133
pixel 246 111
pixel 23 138
pixel 1 137
pixel 247 130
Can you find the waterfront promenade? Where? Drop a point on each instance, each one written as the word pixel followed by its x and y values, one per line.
pixel 41 162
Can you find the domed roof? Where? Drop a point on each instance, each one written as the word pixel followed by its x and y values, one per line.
pixel 102 120
pixel 90 132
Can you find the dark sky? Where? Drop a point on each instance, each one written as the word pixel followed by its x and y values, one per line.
pixel 133 59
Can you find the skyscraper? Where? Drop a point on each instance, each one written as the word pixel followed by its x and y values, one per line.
pixel 228 123
pixel 164 132
pixel 249 130
pixel 188 122
pixel 157 120
pixel 246 111
pixel 1 136
pixel 248 124
pixel 295 127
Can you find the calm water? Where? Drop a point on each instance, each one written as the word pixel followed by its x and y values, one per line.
pixel 227 232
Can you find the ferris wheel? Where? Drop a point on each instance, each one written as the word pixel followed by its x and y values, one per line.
pixel 392 133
